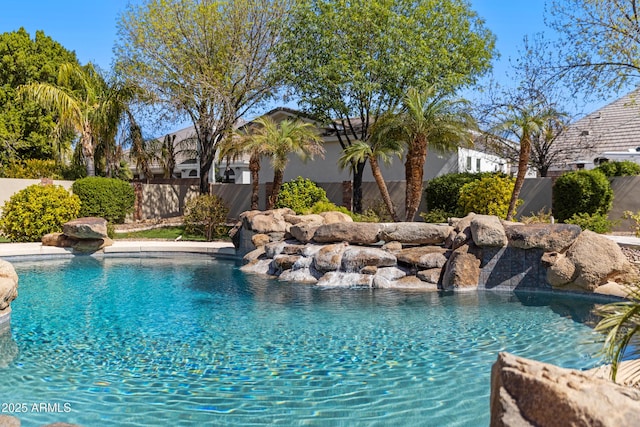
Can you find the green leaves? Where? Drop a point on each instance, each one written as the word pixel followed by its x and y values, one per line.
pixel 621 323
pixel 358 58
pixel 210 61
pixel 37 210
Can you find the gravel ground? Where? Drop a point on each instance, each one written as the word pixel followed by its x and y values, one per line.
pixel 632 255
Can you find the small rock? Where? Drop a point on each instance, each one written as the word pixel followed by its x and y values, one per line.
pixel 354 258
pixel 431 275
pixel 423 257
pixel 335 217
pixel 260 240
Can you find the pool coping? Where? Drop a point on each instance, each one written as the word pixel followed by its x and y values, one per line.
pixel 121 247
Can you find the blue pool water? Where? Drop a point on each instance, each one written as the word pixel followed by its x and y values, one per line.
pixel 147 342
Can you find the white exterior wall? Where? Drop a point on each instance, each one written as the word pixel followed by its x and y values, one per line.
pixel 476 161
pixel 327 170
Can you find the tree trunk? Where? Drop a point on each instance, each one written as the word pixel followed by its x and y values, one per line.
pixel 523 163
pixel 278 176
pixel 414 174
pixel 358 172
pixel 205 167
pixel 254 167
pixel 88 153
pixel 384 192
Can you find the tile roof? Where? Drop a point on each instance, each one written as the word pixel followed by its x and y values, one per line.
pixel 614 127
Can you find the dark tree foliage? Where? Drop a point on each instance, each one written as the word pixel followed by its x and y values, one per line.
pixel 25 128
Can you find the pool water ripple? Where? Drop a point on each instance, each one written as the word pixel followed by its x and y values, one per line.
pixel 193 342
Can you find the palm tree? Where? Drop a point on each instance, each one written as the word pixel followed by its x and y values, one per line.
pixel 237 145
pixel 621 322
pixel 525 123
pixel 86 104
pixel 378 147
pixel 427 119
pixel 277 141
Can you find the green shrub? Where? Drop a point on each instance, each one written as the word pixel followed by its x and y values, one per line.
pixel 205 215
pixel 108 198
pixel 487 196
pixel 635 217
pixel 597 222
pixel 624 168
pixel 326 206
pixel 442 192
pixel 37 210
pixel 583 191
pixel 541 217
pixel 300 195
pixel 436 216
pixel 33 169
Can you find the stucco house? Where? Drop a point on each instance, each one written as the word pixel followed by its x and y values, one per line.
pixel 608 134
pixel 325 169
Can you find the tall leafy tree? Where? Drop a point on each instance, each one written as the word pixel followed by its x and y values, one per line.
pixel 278 141
pixel 600 42
pixel 25 127
pixel 349 62
pixel 209 61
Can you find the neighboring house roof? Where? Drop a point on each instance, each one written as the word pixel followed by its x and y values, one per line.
pixel 614 127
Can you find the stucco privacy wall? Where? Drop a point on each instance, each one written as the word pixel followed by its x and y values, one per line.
pixel 164 200
pixel 10 186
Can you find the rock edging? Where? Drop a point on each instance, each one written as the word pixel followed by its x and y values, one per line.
pixel 467 253
pixel 87 234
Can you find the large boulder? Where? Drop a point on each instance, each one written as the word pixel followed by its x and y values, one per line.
pixel 560 269
pixel 8 286
pixel 267 221
pixel 415 233
pixel 355 258
pixel 487 230
pixel 358 233
pixel 597 260
pixel 548 237
pixel 462 272
pixel 423 257
pixel 529 393
pixel 86 228
pixel 329 257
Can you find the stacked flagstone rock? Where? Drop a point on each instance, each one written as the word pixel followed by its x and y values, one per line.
pixel 83 235
pixel 483 251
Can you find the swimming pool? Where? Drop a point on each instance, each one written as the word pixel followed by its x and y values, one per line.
pixel 194 341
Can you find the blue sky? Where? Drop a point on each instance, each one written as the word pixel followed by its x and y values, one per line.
pixel 88 27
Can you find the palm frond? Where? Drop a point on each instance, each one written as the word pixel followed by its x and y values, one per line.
pixel 621 323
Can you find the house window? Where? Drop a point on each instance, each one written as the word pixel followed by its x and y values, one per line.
pixel 468 163
pixel 478 165
pixel 193 172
